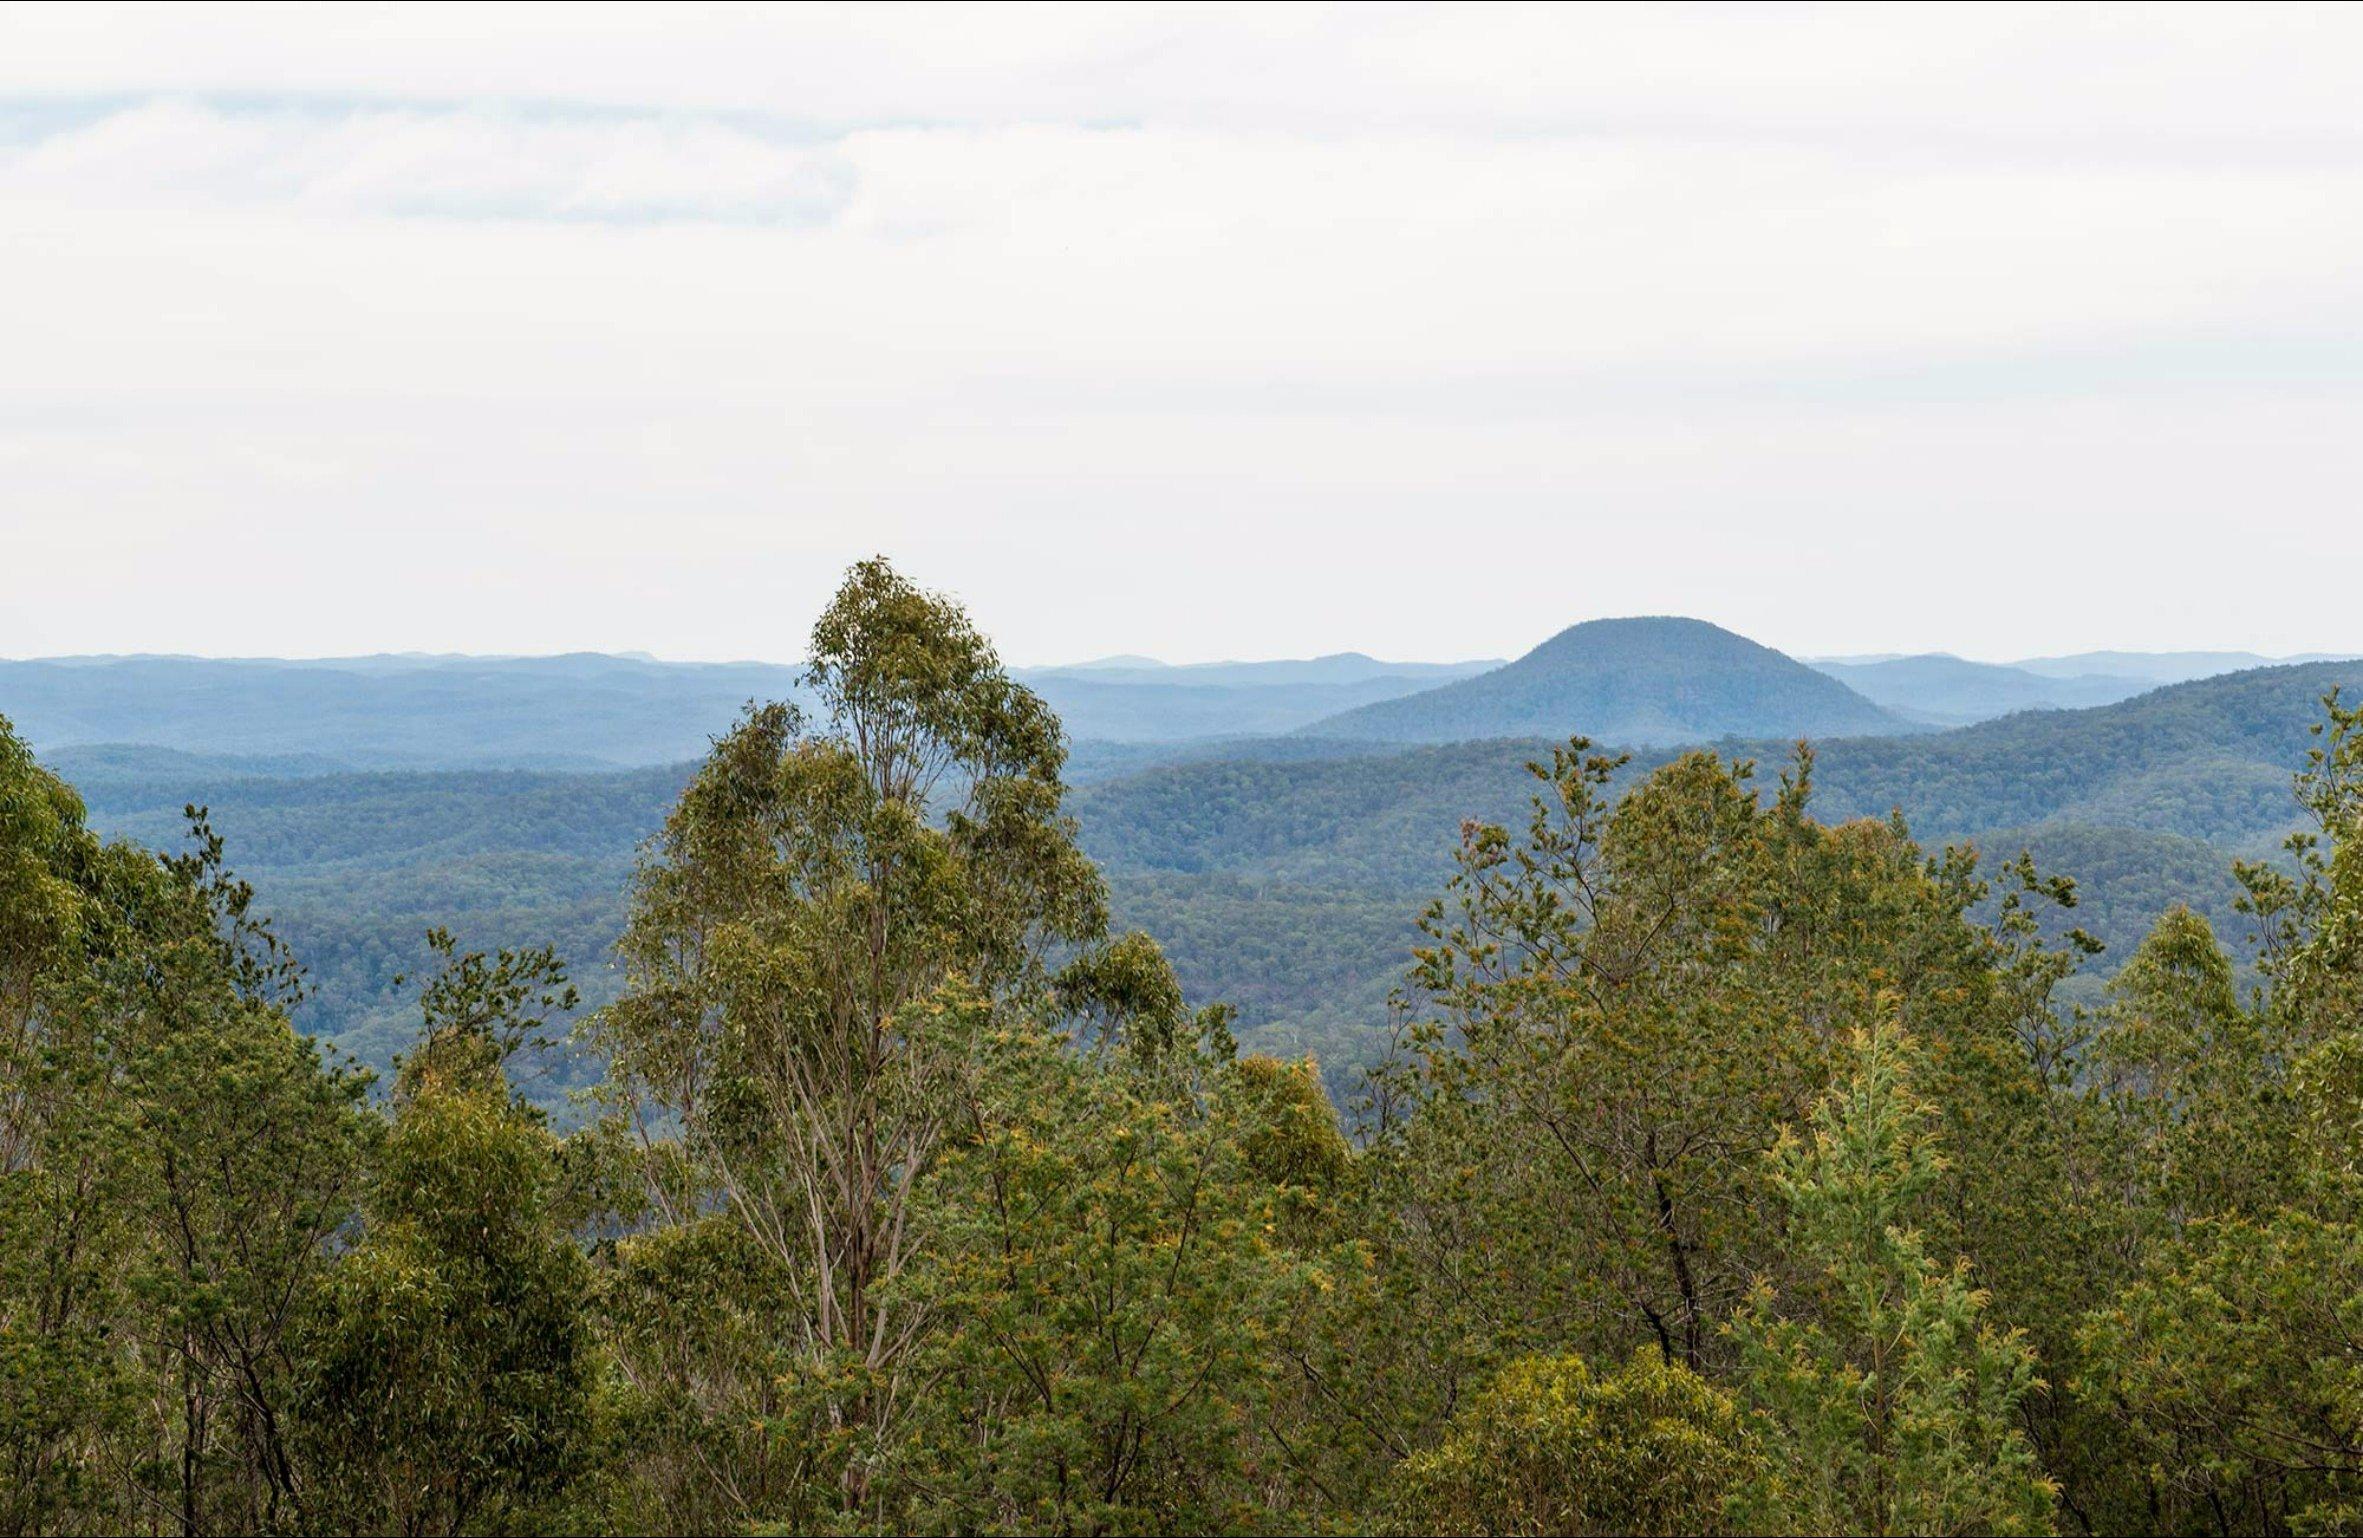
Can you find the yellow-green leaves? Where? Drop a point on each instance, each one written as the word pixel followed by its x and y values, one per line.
pixel 1549 1447
pixel 1890 1400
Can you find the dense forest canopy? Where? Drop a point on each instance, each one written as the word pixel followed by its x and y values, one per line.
pixel 1736 1162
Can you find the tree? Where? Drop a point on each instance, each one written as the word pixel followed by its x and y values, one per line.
pixel 2198 1084
pixel 1893 1403
pixel 1109 1266
pixel 450 1363
pixel 174 1159
pixel 814 899
pixel 64 1383
pixel 2228 1359
pixel 687 1313
pixel 1615 1016
pixel 1549 1447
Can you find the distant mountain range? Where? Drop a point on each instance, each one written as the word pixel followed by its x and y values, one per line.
pixel 2148 667
pixel 1136 700
pixel 1275 825
pixel 2165 667
pixel 1342 668
pixel 583 710
pixel 1951 691
pixel 593 710
pixel 2210 759
pixel 1638 682
pixel 1281 873
pixel 2146 802
pixel 1944 690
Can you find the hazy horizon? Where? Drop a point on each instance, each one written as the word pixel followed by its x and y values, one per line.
pixel 1137 659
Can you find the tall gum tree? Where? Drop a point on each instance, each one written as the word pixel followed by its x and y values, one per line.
pixel 832 912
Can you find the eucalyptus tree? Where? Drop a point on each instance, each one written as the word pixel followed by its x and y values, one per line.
pixel 2229 1357
pixel 1892 1399
pixel 247 1151
pixel 833 912
pixel 450 1368
pixel 1109 1261
pixel 63 1383
pixel 175 1160
pixel 1615 1015
pixel 1551 1447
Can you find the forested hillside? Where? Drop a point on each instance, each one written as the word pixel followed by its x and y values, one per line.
pixel 1281 874
pixel 2205 760
pixel 2145 804
pixel 1647 682
pixel 1952 691
pixel 356 868
pixel 1735 1167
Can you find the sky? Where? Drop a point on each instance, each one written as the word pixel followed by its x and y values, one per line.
pixel 1200 332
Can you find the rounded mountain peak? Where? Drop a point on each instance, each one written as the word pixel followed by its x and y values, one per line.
pixel 1669 636
pixel 1640 681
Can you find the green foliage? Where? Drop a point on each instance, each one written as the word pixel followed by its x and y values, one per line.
pixel 1893 1404
pixel 2197 1082
pixel 1549 1447
pixel 1109 1272
pixel 2226 1360
pixel 174 1160
pixel 832 924
pixel 686 1311
pixel 358 869
pixel 450 1358
pixel 63 1386
pixel 914 1197
pixel 2227 1357
pixel 1617 1015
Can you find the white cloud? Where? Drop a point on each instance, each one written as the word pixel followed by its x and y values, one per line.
pixel 2253 73
pixel 448 163
pixel 1205 333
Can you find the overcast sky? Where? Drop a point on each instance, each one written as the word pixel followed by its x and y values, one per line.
pixel 1194 332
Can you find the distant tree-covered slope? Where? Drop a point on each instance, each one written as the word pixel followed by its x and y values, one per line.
pixel 1281 874
pixel 1954 691
pixel 2145 802
pixel 355 868
pixel 2209 759
pixel 1638 681
pixel 1383 819
pixel 2206 759
pixel 1094 759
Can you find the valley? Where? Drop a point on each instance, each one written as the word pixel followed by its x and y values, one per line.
pixel 1283 873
